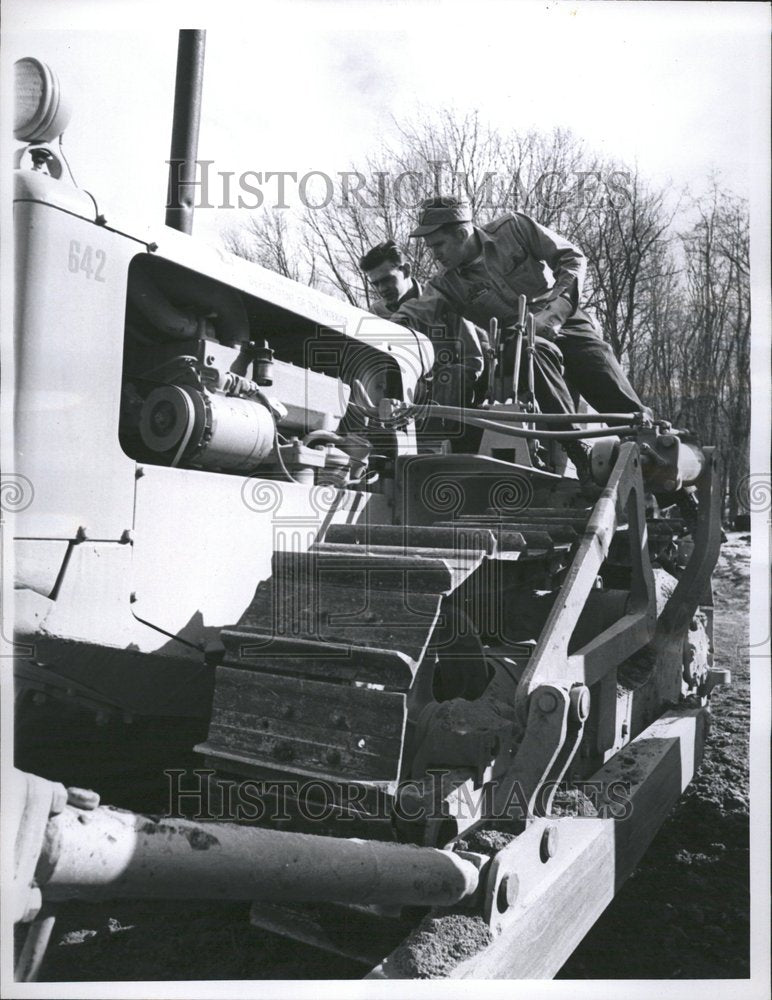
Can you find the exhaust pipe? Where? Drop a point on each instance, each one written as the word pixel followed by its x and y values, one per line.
pixel 187 118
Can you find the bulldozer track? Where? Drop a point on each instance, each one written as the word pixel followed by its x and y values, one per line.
pixel 317 673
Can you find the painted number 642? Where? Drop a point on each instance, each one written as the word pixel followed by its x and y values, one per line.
pixel 91 262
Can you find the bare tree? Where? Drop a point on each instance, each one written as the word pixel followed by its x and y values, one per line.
pixel 674 306
pixel 265 239
pixel 717 275
pixel 626 242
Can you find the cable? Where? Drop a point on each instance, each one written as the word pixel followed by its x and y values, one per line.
pixel 419 348
pixel 329 436
pixel 67 164
pixel 551 435
pixel 505 420
pixel 280 458
pixel 541 418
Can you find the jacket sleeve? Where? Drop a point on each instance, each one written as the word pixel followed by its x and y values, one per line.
pixel 432 310
pixel 429 309
pixel 470 348
pixel 566 261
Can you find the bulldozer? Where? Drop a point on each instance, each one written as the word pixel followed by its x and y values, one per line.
pixel 233 501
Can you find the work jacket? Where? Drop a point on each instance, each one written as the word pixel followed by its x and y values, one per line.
pixel 455 339
pixel 518 257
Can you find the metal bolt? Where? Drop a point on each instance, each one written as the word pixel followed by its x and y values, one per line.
pixel 547 702
pixel 549 844
pixel 100 220
pixel 139 472
pixel 81 534
pixel 361 744
pixel 580 702
pixel 152 247
pixel 127 537
pixel 508 889
pixel 133 597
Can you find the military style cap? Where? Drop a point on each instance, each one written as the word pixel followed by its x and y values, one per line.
pixel 436 212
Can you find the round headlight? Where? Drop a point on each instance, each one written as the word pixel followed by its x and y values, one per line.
pixel 41 112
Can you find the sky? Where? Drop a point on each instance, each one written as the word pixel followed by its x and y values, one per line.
pixel 680 88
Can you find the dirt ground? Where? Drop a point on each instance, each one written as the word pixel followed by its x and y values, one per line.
pixel 683 914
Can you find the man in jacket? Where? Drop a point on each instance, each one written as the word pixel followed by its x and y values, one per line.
pixel 390 274
pixel 457 343
pixel 487 268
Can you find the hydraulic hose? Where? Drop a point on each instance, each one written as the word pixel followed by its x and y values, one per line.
pixel 549 435
pixel 510 416
pixel 471 418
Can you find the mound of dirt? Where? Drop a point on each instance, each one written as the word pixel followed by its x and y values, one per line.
pixel 439 944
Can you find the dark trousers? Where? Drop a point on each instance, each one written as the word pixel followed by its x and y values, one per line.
pixel 592 369
pixel 550 387
pixel 583 362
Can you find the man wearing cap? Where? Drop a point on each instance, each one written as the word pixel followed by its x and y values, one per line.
pixel 458 351
pixel 487 268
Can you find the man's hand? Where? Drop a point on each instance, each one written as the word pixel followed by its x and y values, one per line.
pixel 546 326
pixel 548 322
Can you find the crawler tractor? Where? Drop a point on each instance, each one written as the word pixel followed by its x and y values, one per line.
pixel 236 503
